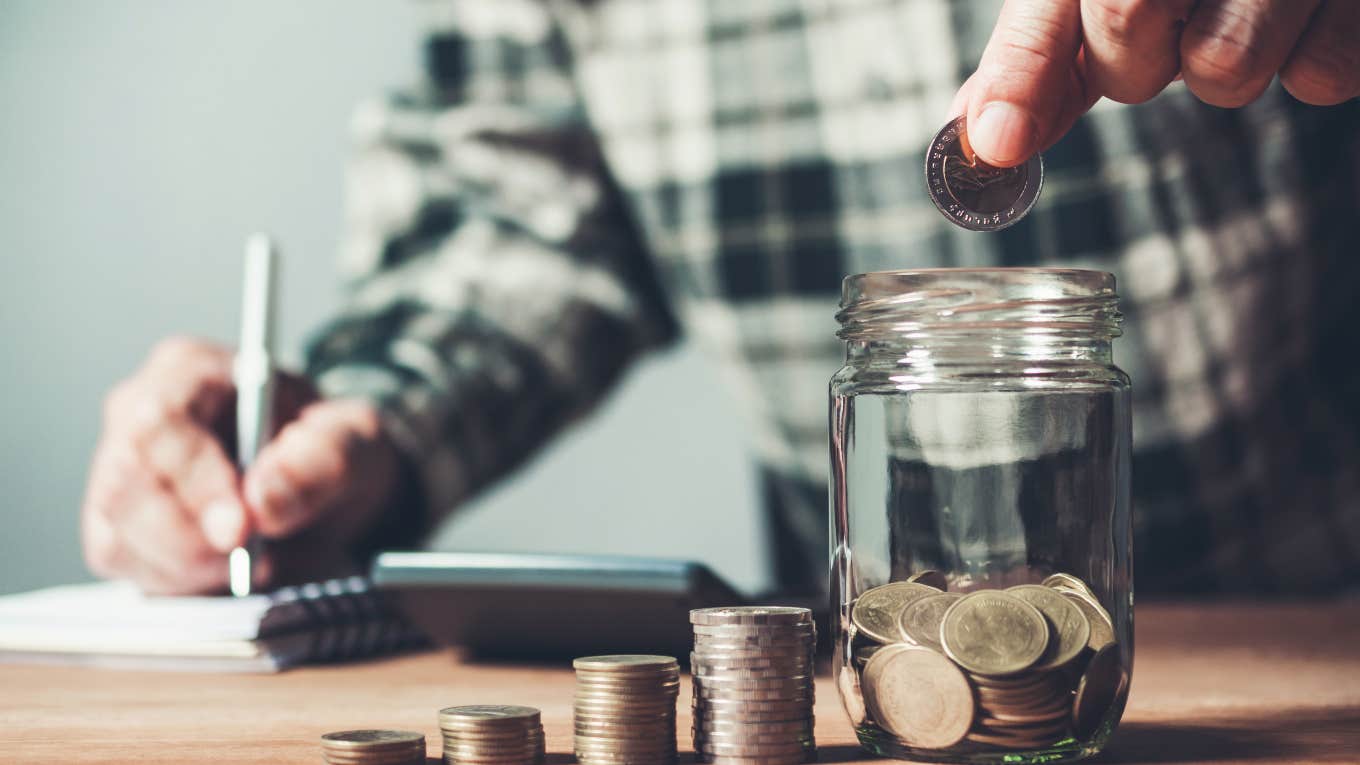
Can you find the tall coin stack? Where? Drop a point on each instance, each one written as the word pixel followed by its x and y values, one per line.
pixel 753 685
pixel 373 747
pixel 625 709
pixel 492 734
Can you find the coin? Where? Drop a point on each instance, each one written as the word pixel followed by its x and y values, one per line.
pixel 626 663
pixel 1097 690
pixel 920 620
pixel 973 194
pixel 803 634
pixel 484 716
pixel 1008 742
pixel 994 633
pixel 1102 626
pixel 875 612
pixel 1071 629
pixel 709 713
pixel 371 739
pixel 930 578
pixel 919 696
pixel 769 760
pixel 785 730
pixel 1060 580
pixel 751 750
pixel 373 746
pixel 781 615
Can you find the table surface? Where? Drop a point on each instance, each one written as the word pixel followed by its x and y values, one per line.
pixel 1258 683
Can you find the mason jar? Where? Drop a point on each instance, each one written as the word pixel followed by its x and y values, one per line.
pixel 981 536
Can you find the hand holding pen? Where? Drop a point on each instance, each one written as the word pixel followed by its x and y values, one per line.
pixel 166 503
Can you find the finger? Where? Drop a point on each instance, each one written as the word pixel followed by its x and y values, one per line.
pixel 152 527
pixel 1231 49
pixel 1324 68
pixel 959 105
pixel 189 459
pixel 307 467
pixel 104 554
pixel 160 534
pixel 1132 47
pixel 1023 83
pixel 187 376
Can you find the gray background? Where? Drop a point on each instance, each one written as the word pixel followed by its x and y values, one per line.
pixel 141 140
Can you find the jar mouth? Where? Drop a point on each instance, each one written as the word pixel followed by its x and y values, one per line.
pixel 1062 301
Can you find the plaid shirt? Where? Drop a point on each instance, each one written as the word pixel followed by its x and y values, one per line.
pixel 575 183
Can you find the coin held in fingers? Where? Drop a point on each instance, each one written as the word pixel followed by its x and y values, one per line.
pixel 973 194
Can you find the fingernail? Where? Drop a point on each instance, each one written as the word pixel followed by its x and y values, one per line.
pixel 222 521
pixel 1004 133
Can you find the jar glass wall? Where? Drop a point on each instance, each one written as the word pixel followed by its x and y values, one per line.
pixel 981 536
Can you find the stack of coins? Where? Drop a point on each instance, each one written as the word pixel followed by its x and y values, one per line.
pixel 753 685
pixel 373 747
pixel 1021 668
pixel 625 709
pixel 489 734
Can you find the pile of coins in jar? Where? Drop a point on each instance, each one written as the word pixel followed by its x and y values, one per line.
pixel 1021 668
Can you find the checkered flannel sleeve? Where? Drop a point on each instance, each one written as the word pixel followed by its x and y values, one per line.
pixel 498 288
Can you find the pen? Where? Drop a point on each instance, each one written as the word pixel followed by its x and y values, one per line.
pixel 254 382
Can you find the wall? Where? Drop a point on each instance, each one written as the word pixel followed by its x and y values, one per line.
pixel 140 141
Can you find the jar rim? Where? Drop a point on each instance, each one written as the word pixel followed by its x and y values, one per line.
pixel 1031 299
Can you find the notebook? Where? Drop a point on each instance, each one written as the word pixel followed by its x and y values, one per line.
pixel 113 624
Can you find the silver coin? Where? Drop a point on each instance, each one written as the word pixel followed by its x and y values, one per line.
pixel 971 193
pixel 750 615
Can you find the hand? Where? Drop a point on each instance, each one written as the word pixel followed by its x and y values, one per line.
pixel 1049 61
pixel 165 503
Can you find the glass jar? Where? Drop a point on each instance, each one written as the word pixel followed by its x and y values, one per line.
pixel 981 563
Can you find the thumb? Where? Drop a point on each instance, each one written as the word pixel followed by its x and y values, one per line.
pixel 324 459
pixel 1023 89
pixel 295 478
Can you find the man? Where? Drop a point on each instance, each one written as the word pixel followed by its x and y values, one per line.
pixel 575 182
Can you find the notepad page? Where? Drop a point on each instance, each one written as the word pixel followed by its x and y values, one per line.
pixel 118 613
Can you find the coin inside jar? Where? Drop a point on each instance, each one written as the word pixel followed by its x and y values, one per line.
pixel 919 695
pixel 973 194
pixel 876 612
pixel 994 633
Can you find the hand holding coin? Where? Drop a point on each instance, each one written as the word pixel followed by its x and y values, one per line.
pixel 1049 61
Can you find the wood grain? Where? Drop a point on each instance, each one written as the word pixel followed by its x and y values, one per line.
pixel 1247 683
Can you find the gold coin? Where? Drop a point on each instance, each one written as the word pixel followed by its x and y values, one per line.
pixel 918 695
pixel 875 612
pixel 1097 690
pixel 930 578
pixel 920 620
pixel 994 633
pixel 1071 628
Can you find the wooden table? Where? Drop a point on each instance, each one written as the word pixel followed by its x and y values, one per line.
pixel 1220 683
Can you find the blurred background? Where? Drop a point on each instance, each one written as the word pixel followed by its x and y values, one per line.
pixel 142 140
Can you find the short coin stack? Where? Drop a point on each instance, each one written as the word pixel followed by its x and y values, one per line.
pixel 373 747
pixel 1020 668
pixel 625 709
pixel 753 685
pixel 492 734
